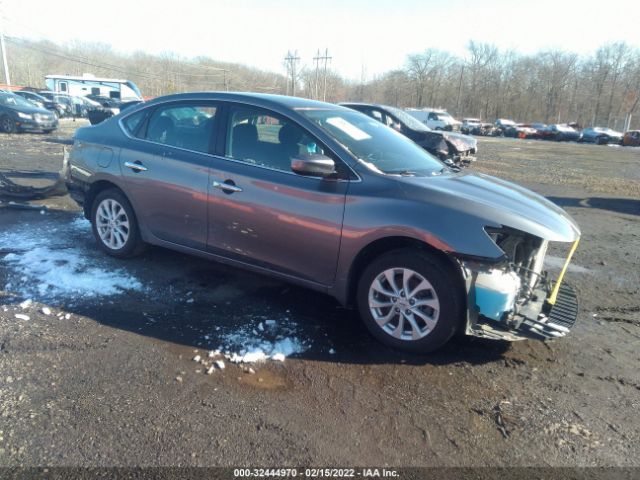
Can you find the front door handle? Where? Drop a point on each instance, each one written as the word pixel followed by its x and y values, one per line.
pixel 228 186
pixel 136 166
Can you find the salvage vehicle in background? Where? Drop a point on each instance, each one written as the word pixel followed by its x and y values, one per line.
pixel 435 119
pixel 107 103
pixel 452 148
pixel 600 136
pixel 521 130
pixel 38 100
pixel 631 138
pixel 563 133
pixel 334 201
pixel 474 126
pixel 20 115
pixel 62 103
pixel 503 125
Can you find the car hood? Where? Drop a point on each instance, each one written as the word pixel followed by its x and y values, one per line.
pixel 490 201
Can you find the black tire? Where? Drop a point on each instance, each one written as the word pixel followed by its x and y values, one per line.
pixel 7 124
pixel 443 282
pixel 133 244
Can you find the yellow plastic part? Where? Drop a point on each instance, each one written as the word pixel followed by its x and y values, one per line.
pixel 554 293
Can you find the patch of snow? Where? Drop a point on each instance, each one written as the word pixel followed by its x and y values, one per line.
pixel 20 316
pixel 46 310
pixel 47 262
pixel 26 304
pixel 219 364
pixel 250 345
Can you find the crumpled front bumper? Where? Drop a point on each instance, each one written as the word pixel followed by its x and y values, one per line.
pixel 538 320
pixel 549 310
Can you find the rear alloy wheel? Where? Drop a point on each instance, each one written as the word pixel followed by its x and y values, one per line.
pixel 7 124
pixel 114 224
pixel 409 300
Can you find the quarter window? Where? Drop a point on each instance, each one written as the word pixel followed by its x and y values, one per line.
pixel 132 122
pixel 186 126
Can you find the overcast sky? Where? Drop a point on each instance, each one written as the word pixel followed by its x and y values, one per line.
pixel 375 35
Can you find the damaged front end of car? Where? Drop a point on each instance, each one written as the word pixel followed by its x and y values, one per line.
pixel 515 298
pixel 462 148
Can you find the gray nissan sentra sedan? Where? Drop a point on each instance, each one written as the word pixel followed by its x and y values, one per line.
pixel 333 200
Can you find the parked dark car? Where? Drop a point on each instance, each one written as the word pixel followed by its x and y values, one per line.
pixel 328 198
pixel 20 115
pixel 563 133
pixel 38 100
pixel 63 104
pixel 453 148
pixel 108 103
pixel 631 138
pixel 600 135
pixel 504 125
pixel 522 130
pixel 543 131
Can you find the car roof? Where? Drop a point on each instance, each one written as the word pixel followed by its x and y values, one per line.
pixel 364 104
pixel 261 99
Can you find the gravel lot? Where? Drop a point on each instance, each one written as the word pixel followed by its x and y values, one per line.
pixel 107 377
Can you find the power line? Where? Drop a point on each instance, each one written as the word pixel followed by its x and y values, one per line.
pixel 108 66
pixel 191 64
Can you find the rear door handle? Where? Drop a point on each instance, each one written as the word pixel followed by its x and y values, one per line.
pixel 136 166
pixel 228 186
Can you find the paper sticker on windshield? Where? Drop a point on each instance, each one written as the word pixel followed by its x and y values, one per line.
pixel 348 128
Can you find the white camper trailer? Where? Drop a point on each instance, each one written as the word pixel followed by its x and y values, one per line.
pixel 87 84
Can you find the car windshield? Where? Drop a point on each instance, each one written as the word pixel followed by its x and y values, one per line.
pixel 409 121
pixel 379 147
pixel 10 100
pixel 564 128
pixel 507 122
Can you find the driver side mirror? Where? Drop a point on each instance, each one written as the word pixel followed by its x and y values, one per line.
pixel 314 164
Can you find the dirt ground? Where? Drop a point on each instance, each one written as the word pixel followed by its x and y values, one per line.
pixel 109 380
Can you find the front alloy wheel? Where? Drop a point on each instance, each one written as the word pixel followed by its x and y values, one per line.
pixel 404 304
pixel 7 125
pixel 411 299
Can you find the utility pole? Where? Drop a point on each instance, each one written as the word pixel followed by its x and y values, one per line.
pixel 459 91
pixel 326 59
pixel 4 59
pixel 3 48
pixel 316 60
pixel 292 62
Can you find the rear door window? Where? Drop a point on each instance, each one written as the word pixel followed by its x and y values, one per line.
pixel 190 126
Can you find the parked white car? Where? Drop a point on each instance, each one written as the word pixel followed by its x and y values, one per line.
pixel 436 119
